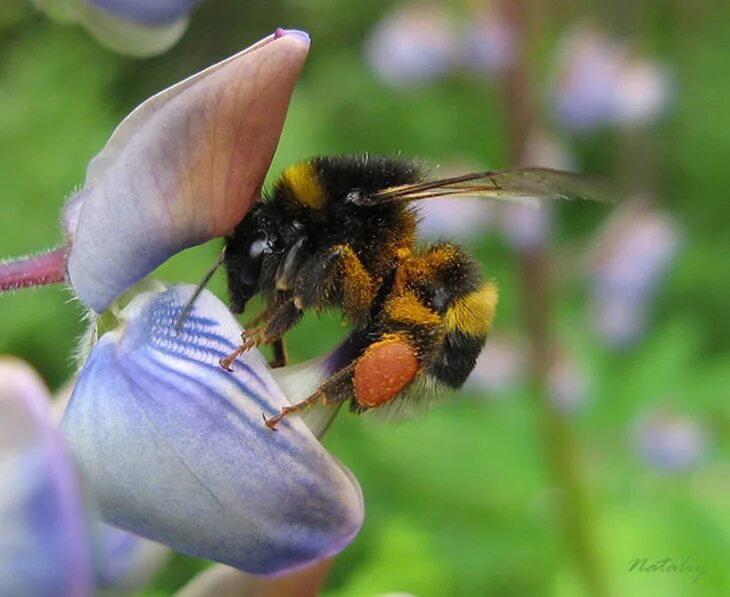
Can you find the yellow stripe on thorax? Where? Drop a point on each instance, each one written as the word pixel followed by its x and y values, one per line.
pixel 473 313
pixel 303 181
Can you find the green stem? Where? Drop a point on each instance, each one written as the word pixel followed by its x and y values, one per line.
pixel 561 448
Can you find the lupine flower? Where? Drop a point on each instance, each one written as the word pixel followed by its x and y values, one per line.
pixel 181 169
pixel 184 457
pixel 630 258
pixel 412 44
pixel 600 82
pixel 668 441
pixel 175 449
pixel 133 27
pixel 490 42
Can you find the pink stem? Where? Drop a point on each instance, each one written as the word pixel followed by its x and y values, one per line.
pixel 36 270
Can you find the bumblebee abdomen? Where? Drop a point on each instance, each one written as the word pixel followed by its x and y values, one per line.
pixel 467 320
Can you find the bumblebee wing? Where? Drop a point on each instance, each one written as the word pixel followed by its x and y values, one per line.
pixel 528 185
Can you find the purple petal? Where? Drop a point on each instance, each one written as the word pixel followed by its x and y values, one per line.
pixel 44 547
pixel 176 450
pixel 181 169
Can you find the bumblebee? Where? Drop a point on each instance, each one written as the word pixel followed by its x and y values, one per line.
pixel 340 232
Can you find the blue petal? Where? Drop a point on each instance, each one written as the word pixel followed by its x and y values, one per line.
pixel 176 450
pixel 159 12
pixel 44 547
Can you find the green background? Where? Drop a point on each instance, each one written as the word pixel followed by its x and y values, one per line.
pixel 464 501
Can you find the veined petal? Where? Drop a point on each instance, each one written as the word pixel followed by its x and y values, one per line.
pixel 175 448
pixel 44 546
pixel 182 168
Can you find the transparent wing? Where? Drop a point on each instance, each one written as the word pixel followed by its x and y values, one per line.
pixel 522 185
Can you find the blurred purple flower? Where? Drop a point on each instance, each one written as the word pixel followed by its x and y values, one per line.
pixel 412 44
pixel 631 256
pixel 445 218
pixel 567 383
pixel 44 536
pixel 490 42
pixel 501 366
pixel 203 474
pixel 133 27
pixel 601 83
pixel 460 219
pixel 527 227
pixel 669 442
pixel 49 544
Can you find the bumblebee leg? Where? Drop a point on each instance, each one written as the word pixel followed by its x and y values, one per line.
pixel 262 316
pixel 250 338
pixel 336 389
pixel 280 322
pixel 289 410
pixel 336 270
pixel 280 358
pixel 373 379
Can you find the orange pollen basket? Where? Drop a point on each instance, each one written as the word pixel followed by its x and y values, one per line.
pixel 383 371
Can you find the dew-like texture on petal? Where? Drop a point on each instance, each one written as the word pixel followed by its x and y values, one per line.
pixel 159 12
pixel 44 546
pixel 176 449
pixel 181 169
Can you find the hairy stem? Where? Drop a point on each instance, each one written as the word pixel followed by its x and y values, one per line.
pixel 34 270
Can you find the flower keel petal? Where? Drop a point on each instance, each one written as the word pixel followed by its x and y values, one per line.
pixel 176 449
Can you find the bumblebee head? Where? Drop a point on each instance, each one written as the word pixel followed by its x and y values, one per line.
pixel 254 240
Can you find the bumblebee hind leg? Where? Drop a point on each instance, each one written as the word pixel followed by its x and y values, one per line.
pixel 377 376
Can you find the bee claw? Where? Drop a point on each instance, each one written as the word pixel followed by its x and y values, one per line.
pixel 226 363
pixel 270 423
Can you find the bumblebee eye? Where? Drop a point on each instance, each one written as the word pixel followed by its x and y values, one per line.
pixel 261 246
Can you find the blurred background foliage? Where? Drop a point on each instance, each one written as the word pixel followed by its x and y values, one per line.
pixel 469 500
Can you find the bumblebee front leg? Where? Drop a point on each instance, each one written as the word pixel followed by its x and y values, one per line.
pixel 282 319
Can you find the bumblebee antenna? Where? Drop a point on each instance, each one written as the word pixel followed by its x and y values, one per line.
pixel 201 285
